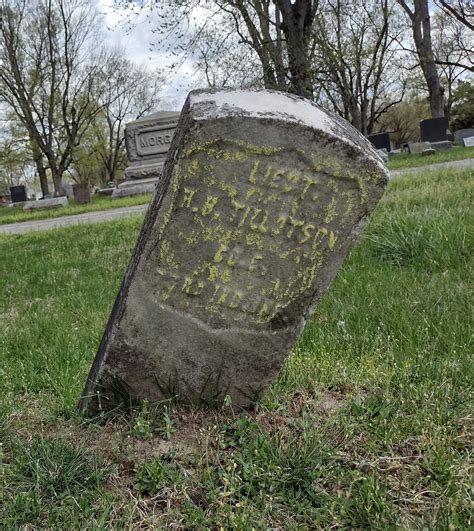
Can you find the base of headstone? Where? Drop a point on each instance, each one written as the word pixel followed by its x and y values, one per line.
pixel 135 187
pixel 105 191
pixel 19 204
pixel 428 152
pixel 55 202
pixel 441 145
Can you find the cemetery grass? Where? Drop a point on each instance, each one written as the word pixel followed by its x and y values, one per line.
pixel 400 161
pixel 369 424
pixel 97 204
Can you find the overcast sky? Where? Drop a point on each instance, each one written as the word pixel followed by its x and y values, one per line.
pixel 136 43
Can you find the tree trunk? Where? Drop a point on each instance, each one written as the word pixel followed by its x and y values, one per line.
pixel 421 28
pixel 297 19
pixel 40 168
pixel 58 183
pixel 43 179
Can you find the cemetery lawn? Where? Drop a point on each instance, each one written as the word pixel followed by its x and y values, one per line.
pixel 405 160
pixel 98 203
pixel 369 424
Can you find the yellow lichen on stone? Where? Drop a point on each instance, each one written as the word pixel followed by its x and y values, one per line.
pixel 209 205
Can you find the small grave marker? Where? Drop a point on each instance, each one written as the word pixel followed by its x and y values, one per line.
pixel 469 141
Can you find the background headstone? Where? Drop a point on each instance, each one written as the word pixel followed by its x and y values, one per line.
pixel 468 141
pixel 147 141
pixel 416 148
pixel 434 129
pixel 261 198
pixel 53 202
pixel 81 193
pixel 441 145
pixel 18 194
pixel 461 134
pixel 380 141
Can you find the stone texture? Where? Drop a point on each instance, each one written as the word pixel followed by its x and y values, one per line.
pixel 262 196
pixel 135 187
pixel 54 202
pixel 383 155
pixel 416 148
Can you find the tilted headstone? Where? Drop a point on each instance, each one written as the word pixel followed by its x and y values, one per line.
pixel 434 129
pixel 262 196
pixel 380 141
pixel 147 141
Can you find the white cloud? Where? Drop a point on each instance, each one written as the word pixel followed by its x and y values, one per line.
pixel 132 29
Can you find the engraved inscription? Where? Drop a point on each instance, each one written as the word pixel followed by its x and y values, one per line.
pixel 154 142
pixel 258 237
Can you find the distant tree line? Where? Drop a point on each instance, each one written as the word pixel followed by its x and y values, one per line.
pixel 360 58
pixel 64 95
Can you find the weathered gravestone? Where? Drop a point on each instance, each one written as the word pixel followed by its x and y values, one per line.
pixel 261 198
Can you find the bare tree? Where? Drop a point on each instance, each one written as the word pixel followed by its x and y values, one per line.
pixel 131 92
pixel 16 164
pixel 461 10
pixel 354 50
pixel 48 72
pixel 419 15
pixel 450 44
pixel 279 32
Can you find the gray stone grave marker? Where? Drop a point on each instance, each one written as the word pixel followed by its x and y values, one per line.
pixel 417 148
pixel 262 196
pixel 147 141
pixel 468 141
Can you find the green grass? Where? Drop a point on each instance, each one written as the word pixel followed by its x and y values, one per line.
pixel 400 161
pixel 98 203
pixel 368 425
